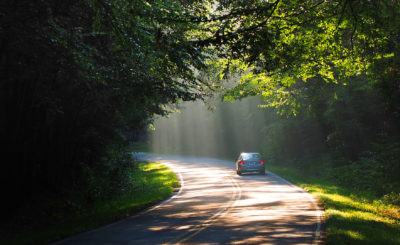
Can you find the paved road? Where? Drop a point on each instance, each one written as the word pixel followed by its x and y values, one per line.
pixel 215 206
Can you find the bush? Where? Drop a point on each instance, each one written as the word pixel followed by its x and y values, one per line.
pixel 376 170
pixel 111 177
pixel 392 198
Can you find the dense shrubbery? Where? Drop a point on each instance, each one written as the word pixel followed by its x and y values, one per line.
pixel 392 198
pixel 75 75
pixel 376 171
pixel 112 176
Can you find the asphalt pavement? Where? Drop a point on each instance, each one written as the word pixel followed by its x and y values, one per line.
pixel 216 206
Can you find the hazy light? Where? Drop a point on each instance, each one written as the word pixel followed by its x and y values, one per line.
pixel 225 132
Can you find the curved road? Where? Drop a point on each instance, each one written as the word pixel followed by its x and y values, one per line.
pixel 215 206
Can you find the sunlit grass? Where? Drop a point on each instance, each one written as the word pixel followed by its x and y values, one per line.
pixel 151 183
pixel 352 217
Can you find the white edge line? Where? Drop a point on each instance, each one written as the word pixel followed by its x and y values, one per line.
pixel 316 207
pixel 182 183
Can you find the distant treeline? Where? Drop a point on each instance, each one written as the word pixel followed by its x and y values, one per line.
pixel 352 132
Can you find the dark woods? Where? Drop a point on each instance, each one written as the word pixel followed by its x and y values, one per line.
pixel 79 78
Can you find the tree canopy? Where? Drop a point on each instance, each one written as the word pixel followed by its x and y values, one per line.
pixel 275 44
pixel 78 76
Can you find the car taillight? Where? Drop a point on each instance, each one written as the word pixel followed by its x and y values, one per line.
pixel 241 163
pixel 262 162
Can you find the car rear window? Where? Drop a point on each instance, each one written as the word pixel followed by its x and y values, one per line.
pixel 247 156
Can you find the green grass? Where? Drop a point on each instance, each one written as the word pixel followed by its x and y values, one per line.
pixel 352 217
pixel 152 182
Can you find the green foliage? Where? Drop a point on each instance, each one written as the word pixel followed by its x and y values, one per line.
pixel 293 138
pixel 111 177
pixel 344 119
pixel 78 75
pixel 284 42
pixel 367 174
pixel 392 198
pixel 351 125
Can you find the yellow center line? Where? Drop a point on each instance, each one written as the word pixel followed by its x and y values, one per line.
pixel 236 195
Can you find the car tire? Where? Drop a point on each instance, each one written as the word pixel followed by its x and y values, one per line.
pixel 262 172
pixel 238 172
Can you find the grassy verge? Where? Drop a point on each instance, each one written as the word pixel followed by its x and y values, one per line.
pixel 352 217
pixel 151 182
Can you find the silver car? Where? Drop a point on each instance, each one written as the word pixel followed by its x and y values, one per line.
pixel 250 162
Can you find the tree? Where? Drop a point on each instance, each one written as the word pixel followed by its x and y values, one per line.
pixel 77 74
pixel 279 43
pixel 335 62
